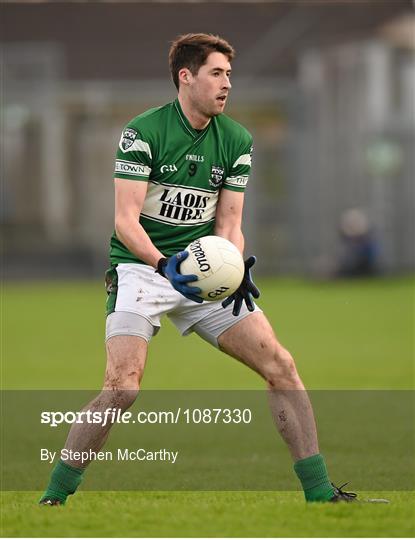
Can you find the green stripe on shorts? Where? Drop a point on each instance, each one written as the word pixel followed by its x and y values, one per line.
pixel 111 284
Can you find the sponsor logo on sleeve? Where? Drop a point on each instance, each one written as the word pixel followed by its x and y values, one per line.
pixel 127 138
pixel 131 168
pixel 237 181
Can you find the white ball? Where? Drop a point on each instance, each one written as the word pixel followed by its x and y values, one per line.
pixel 217 263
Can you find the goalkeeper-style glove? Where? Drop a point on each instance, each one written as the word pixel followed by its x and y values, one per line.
pixel 247 289
pixel 169 268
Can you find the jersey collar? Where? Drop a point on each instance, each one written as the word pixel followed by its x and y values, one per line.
pixel 196 135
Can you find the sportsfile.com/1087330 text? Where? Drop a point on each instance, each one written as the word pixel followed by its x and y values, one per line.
pixel 179 415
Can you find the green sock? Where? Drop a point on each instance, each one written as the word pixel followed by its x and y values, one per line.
pixel 312 473
pixel 63 482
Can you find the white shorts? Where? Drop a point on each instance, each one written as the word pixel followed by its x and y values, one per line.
pixel 139 297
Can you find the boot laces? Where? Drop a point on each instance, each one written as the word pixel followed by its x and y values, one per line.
pixel 346 494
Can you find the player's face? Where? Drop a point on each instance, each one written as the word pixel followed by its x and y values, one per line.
pixel 209 89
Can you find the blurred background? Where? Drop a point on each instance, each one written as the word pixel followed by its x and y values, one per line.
pixel 326 88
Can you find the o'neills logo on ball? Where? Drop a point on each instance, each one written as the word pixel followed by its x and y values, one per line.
pixel 200 256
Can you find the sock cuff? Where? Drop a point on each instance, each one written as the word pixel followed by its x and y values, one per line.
pixel 311 471
pixel 75 470
pixel 310 460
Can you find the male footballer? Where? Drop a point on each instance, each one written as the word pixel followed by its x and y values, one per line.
pixel 180 174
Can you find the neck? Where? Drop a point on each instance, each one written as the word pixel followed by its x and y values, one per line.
pixel 196 119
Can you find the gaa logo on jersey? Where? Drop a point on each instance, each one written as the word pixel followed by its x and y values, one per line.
pixel 127 138
pixel 216 175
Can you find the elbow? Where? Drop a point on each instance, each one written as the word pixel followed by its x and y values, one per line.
pixel 119 227
pixel 223 226
pixel 125 225
pixel 227 229
pixel 224 232
pixel 218 229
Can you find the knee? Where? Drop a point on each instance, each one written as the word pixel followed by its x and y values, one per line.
pixel 281 370
pixel 126 357
pixel 121 389
pixel 116 398
pixel 123 379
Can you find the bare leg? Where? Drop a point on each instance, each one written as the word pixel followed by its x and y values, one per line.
pixel 253 342
pixel 126 357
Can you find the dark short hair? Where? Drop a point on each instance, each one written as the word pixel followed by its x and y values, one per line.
pixel 191 51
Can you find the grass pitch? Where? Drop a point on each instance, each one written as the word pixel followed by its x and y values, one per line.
pixel 206 514
pixel 345 335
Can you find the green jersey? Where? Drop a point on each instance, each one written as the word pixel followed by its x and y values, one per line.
pixel 185 169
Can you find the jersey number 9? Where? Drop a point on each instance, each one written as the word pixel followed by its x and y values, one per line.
pixel 192 169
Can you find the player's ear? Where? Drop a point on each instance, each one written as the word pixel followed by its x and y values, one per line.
pixel 185 76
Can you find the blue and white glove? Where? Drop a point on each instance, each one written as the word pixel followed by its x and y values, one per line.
pixel 247 289
pixel 169 268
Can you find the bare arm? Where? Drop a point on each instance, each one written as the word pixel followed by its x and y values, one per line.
pixel 228 225
pixel 129 201
pixel 229 217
